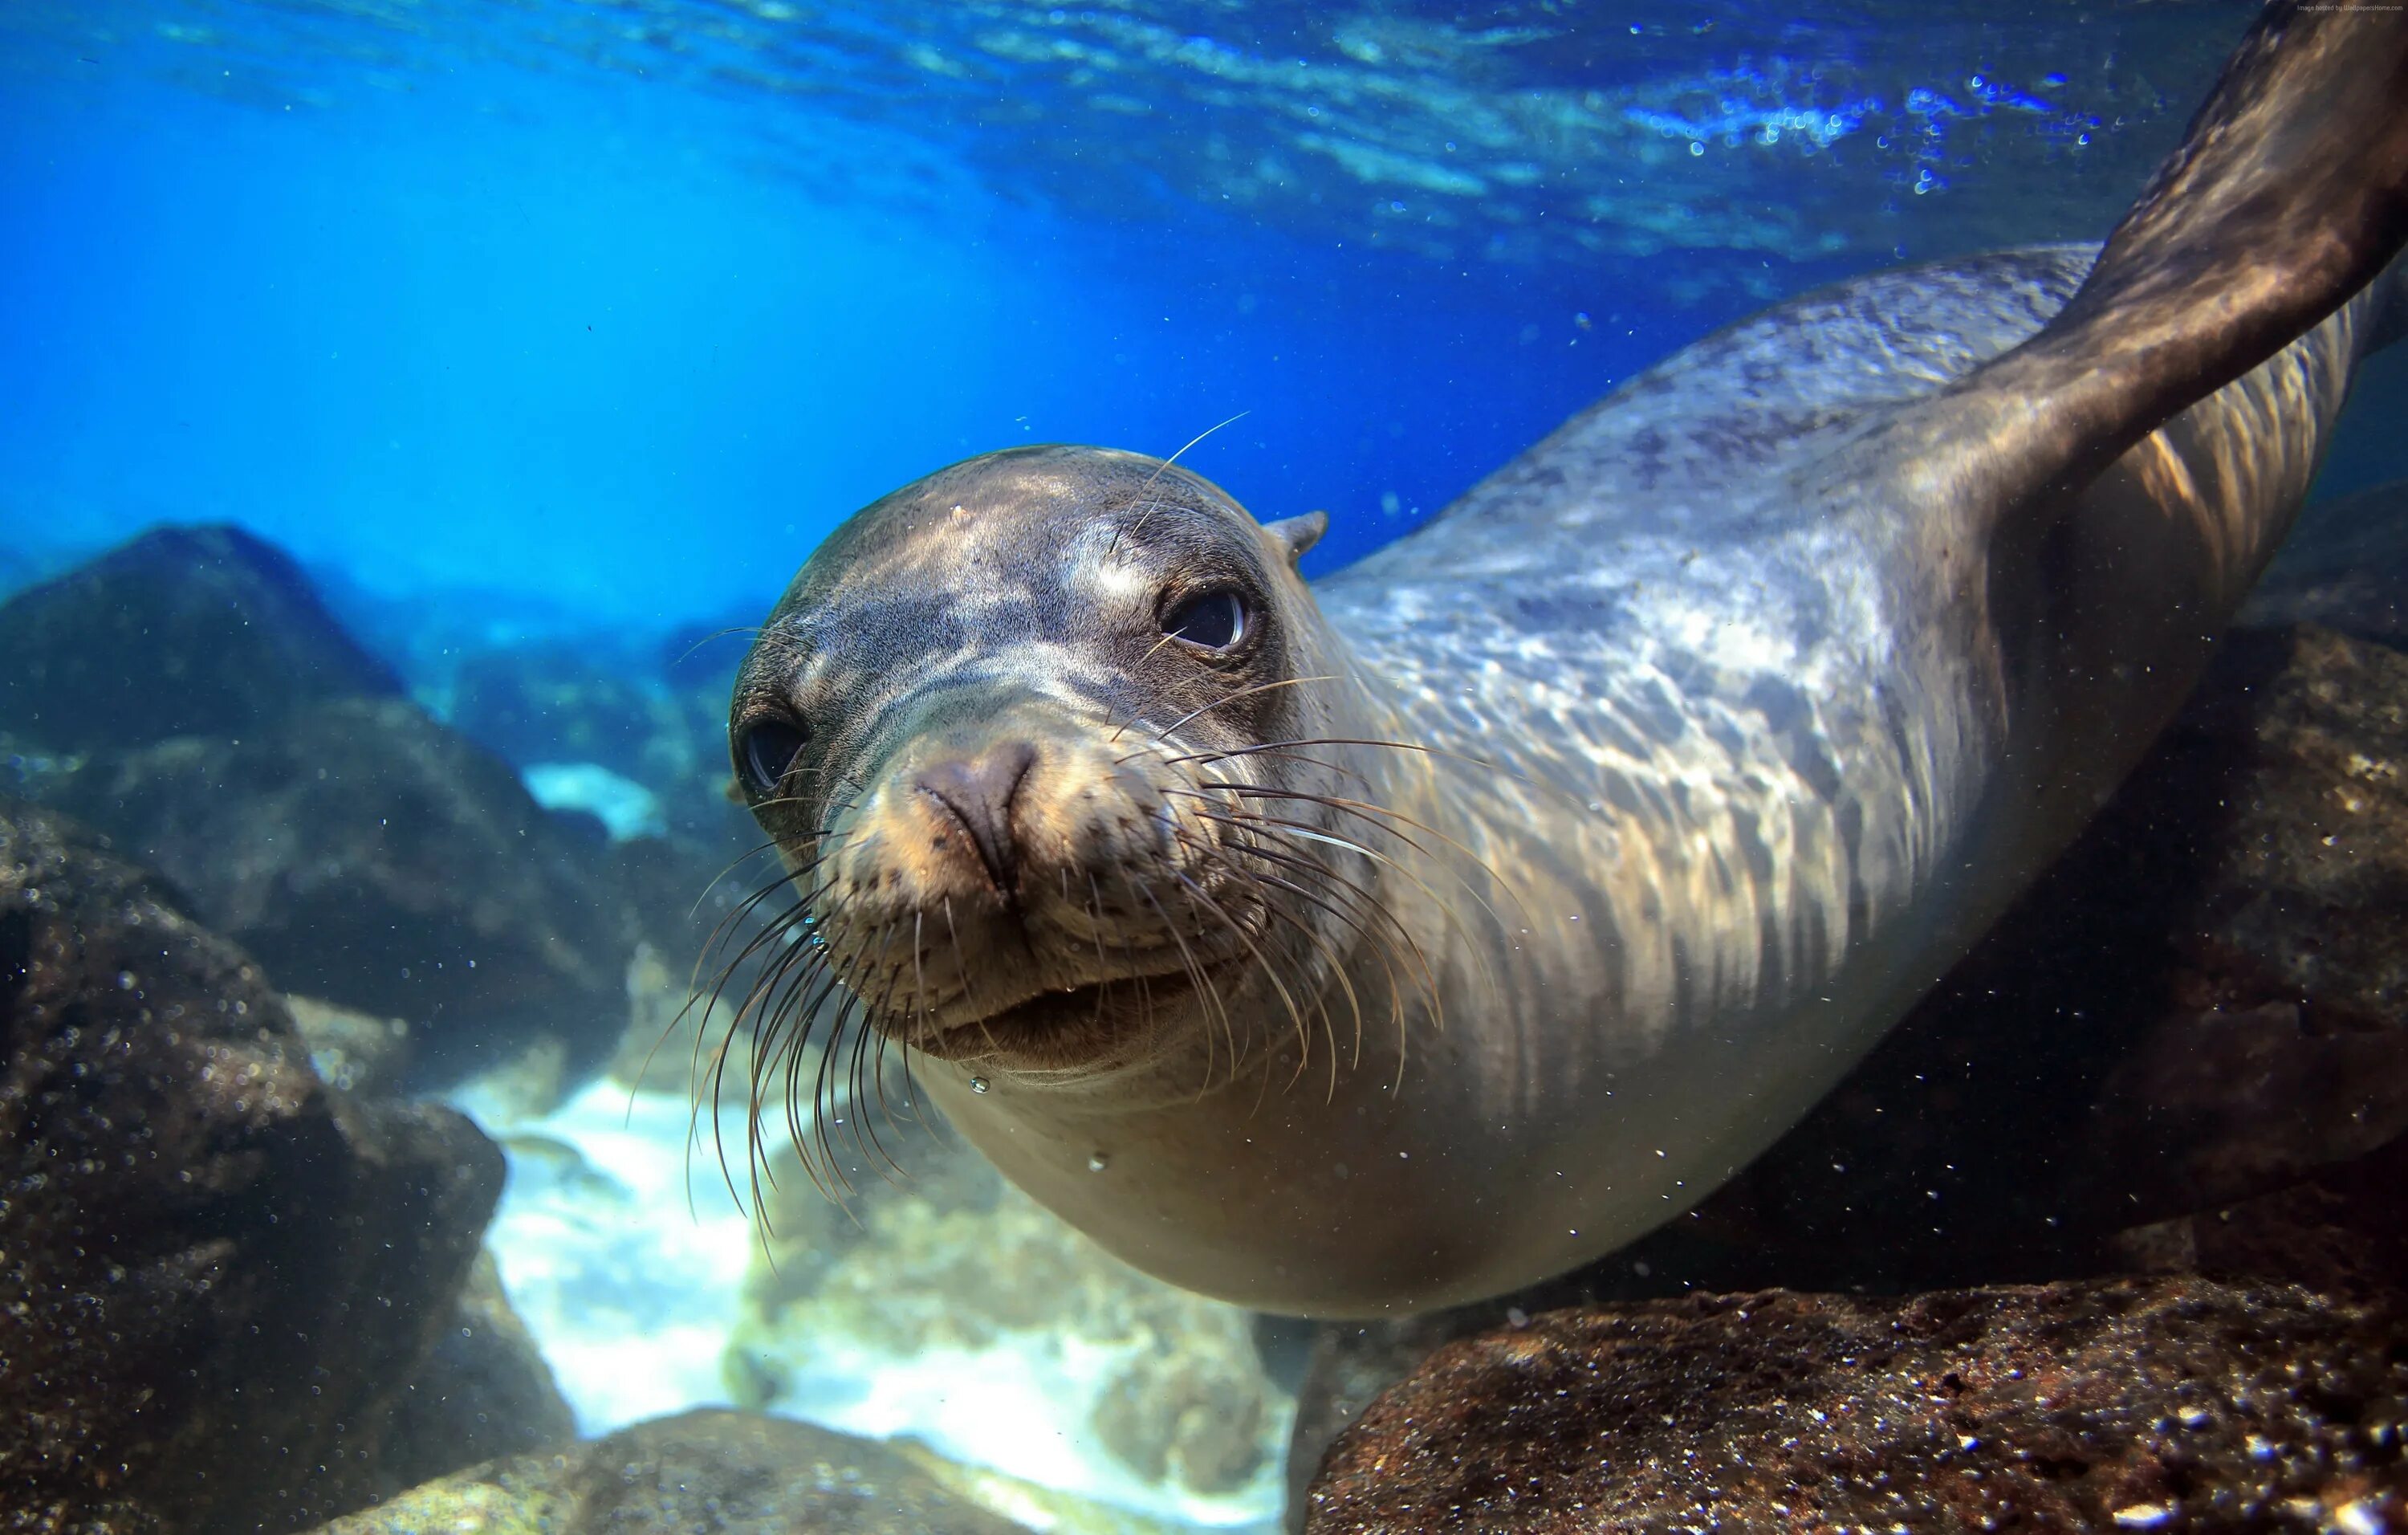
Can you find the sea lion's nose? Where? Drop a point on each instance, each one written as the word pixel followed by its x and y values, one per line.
pixel 978 793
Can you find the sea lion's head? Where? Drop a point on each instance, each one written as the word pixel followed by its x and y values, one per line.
pixel 1038 740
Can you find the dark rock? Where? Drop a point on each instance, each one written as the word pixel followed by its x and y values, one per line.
pixel 707 1472
pixel 2344 566
pixel 484 1392
pixel 215 1273
pixel 183 631
pixel 2343 1232
pixel 702 1473
pixel 370 857
pixel 2136 1403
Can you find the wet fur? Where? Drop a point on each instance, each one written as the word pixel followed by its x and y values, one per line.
pixel 1660 774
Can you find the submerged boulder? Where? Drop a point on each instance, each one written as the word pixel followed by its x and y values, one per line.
pixel 2344 566
pixel 217 1276
pixel 2110 1404
pixel 483 1391
pixel 370 856
pixel 182 631
pixel 189 695
pixel 701 1473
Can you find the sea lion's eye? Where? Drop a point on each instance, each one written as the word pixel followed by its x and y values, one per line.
pixel 768 749
pixel 1212 621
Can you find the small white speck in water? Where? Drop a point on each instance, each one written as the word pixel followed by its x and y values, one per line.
pixel 977 1084
pixel 1098 1161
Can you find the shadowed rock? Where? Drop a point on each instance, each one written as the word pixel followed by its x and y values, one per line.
pixel 216 1275
pixel 370 856
pixel 183 631
pixel 702 1473
pixel 2174 1404
pixel 2344 566
pixel 485 1391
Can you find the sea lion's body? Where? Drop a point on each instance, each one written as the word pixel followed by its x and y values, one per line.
pixel 1756 788
pixel 1737 708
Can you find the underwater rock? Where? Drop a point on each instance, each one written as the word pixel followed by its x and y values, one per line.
pixel 700 1474
pixel 2344 566
pixel 216 1274
pixel 2114 1404
pixel 2343 1232
pixel 370 856
pixel 2272 825
pixel 182 631
pixel 484 1392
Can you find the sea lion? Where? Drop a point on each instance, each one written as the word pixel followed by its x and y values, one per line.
pixel 1410 938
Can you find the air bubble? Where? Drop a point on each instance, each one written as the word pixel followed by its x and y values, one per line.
pixel 977 1084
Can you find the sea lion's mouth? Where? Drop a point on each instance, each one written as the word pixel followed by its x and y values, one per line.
pixel 1053 1023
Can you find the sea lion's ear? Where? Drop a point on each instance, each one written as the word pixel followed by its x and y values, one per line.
pixel 1298 534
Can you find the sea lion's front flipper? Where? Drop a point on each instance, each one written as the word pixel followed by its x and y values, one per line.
pixel 2287 195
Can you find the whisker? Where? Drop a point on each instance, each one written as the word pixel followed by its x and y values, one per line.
pixel 1384 945
pixel 1299 828
pixel 1197 893
pixel 1337 964
pixel 1184 446
pixel 1164 733
pixel 1364 809
pixel 687 655
pixel 1196 974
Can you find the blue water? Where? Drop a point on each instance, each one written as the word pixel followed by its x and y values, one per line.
pixel 601 315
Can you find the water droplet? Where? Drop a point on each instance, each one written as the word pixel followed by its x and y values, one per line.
pixel 1096 1162
pixel 977 1084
